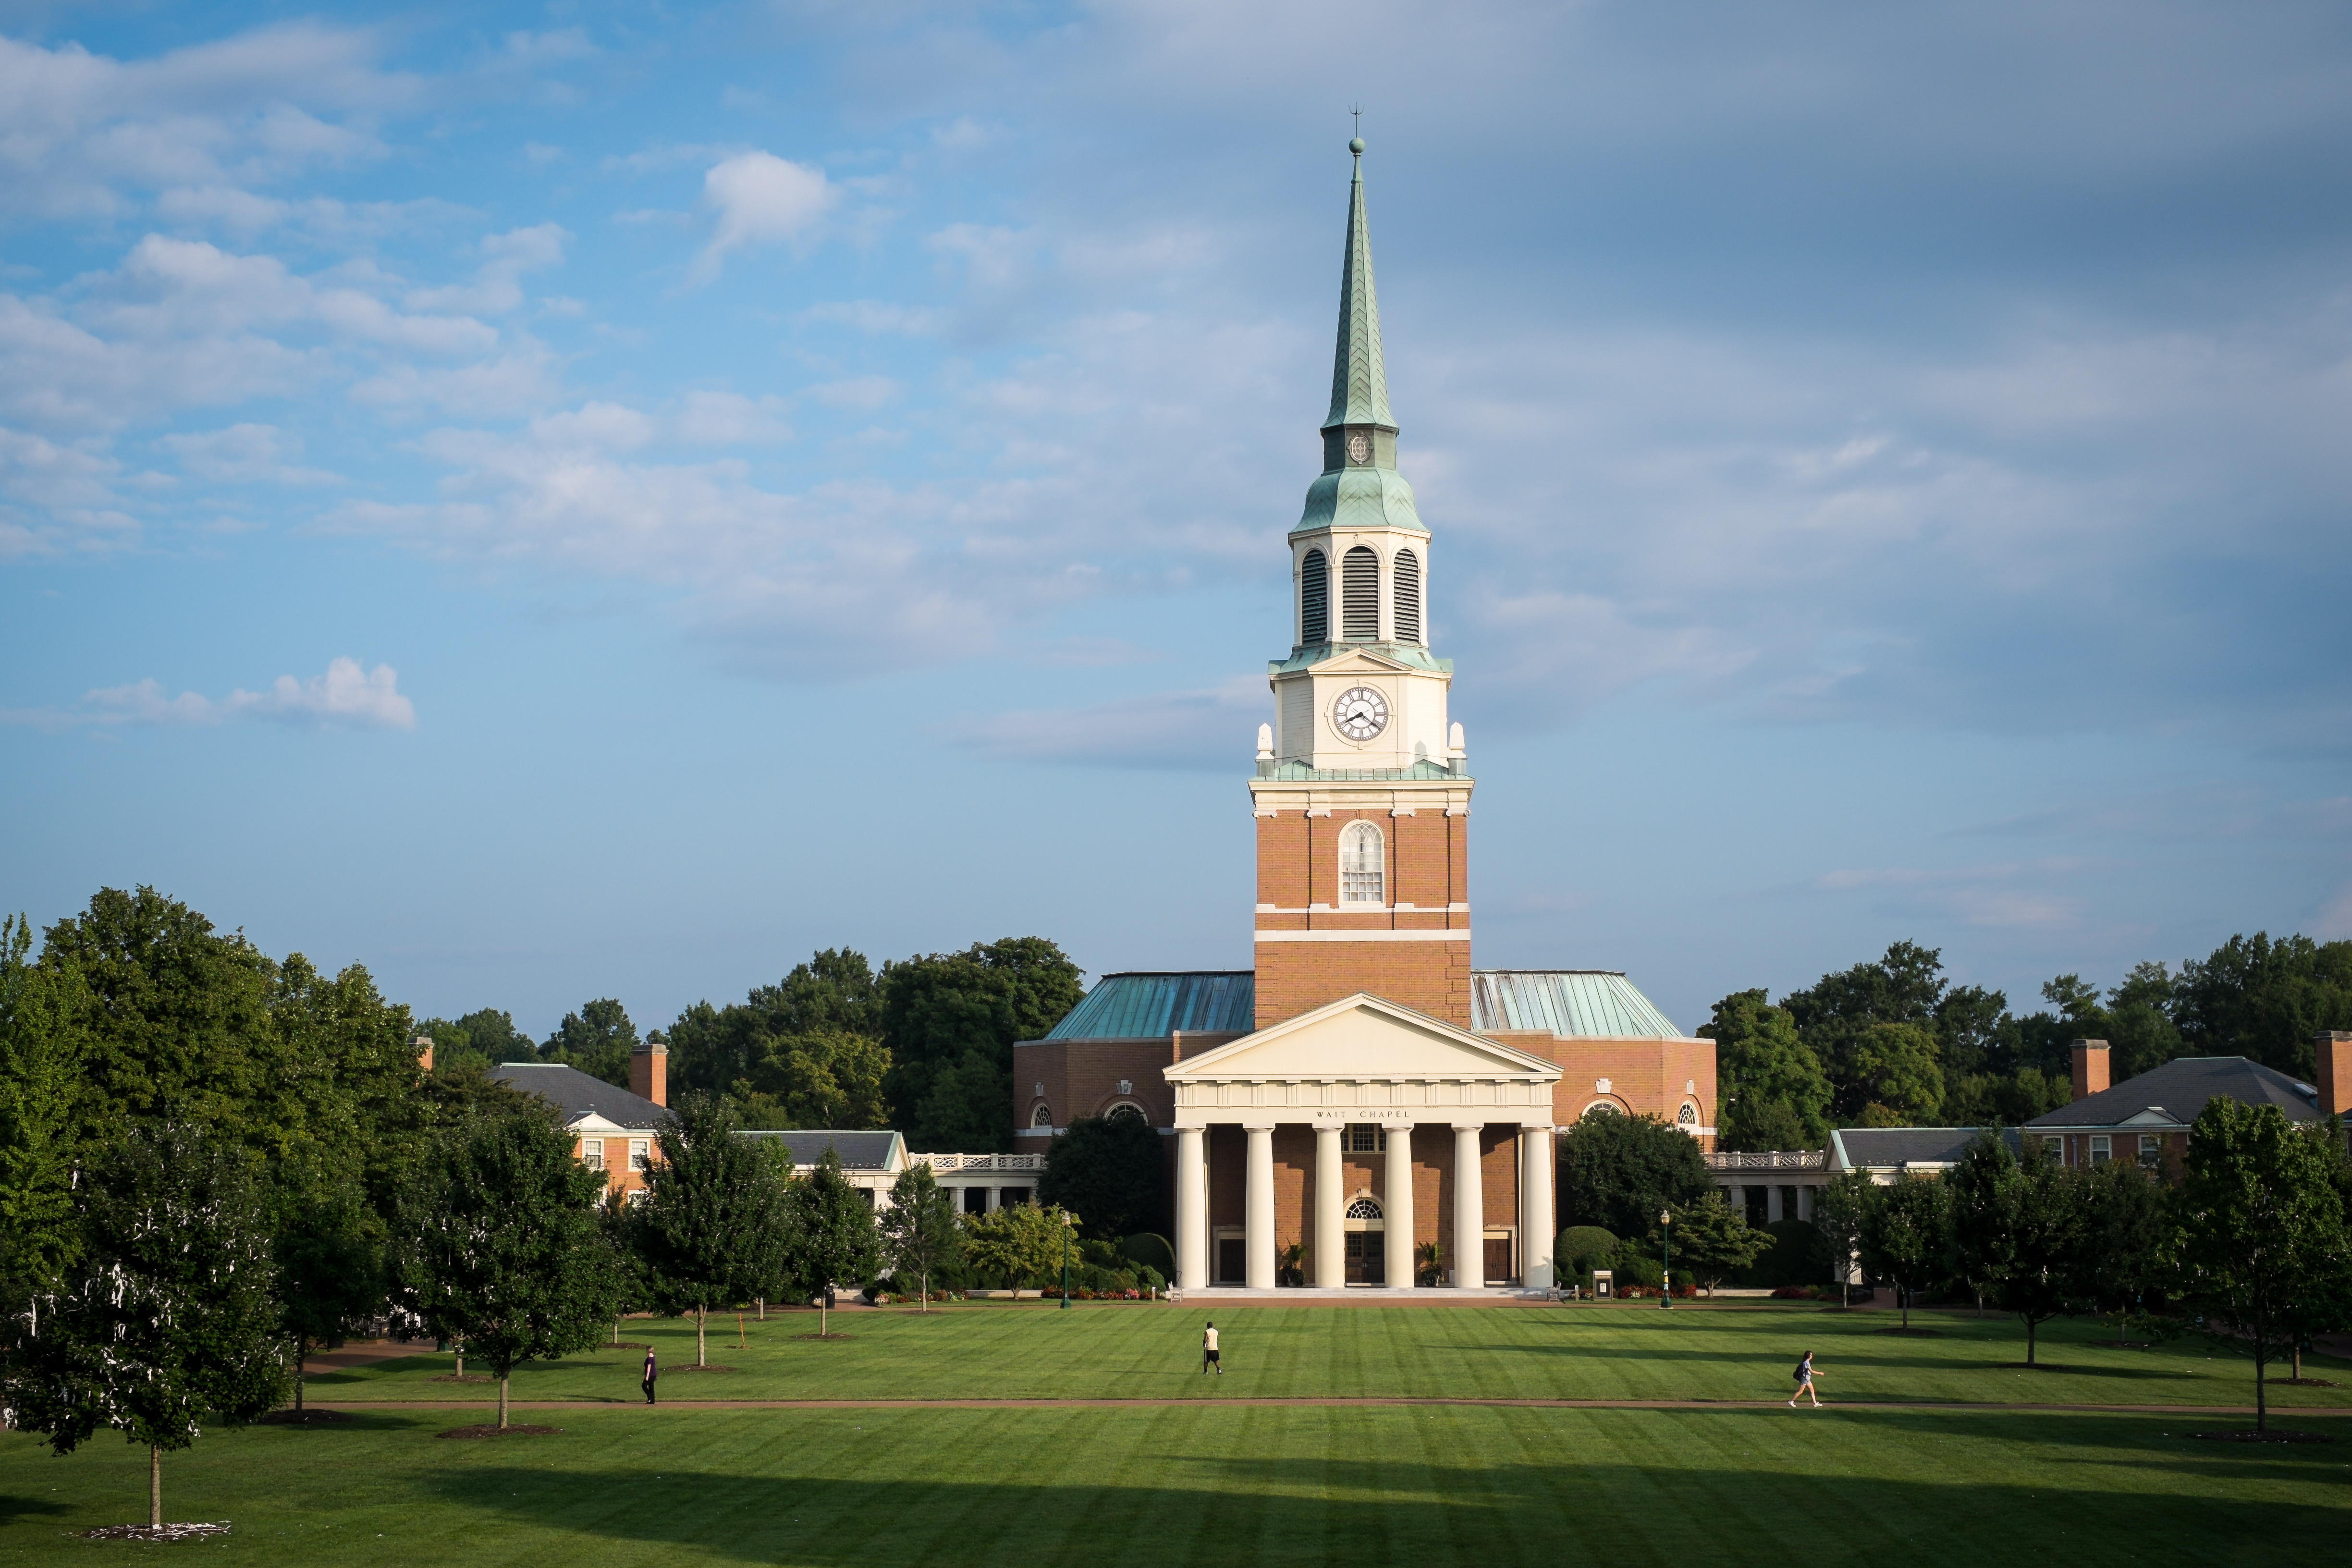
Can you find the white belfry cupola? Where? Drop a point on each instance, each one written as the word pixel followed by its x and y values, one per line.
pixel 1360 690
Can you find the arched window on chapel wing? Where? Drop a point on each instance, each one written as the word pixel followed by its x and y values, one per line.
pixel 1363 864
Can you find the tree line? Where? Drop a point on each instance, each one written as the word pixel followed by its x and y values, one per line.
pixel 924 1044
pixel 1892 1043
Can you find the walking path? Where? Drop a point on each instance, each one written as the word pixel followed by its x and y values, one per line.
pixel 356 1406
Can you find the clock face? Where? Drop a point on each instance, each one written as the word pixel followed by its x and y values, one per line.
pixel 1359 447
pixel 1361 713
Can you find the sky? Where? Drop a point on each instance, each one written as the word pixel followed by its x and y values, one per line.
pixel 567 500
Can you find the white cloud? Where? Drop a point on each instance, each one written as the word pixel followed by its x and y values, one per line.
pixel 758 199
pixel 1212 728
pixel 245 454
pixel 345 695
pixel 867 392
pixel 880 316
pixel 496 287
pixel 2022 894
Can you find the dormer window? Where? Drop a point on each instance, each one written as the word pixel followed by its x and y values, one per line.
pixel 1363 865
pixel 1314 600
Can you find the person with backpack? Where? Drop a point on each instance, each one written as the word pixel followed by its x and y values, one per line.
pixel 1804 1376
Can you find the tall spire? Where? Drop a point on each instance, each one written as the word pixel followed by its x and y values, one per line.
pixel 1359 387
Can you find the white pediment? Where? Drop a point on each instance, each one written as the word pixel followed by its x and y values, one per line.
pixel 589 1124
pixel 1364 1037
pixel 2155 1115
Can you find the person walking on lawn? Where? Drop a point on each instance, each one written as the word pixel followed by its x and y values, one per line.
pixel 1209 1352
pixel 652 1372
pixel 1804 1376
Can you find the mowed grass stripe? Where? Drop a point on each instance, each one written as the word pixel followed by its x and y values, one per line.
pixel 1200 1484
pixel 1383 1352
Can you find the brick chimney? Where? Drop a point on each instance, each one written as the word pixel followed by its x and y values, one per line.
pixel 649 1071
pixel 424 1047
pixel 2090 1067
pixel 2332 1050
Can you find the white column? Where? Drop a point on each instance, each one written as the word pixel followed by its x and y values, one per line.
pixel 1469 1210
pixel 1330 1213
pixel 1772 1205
pixel 1396 1210
pixel 1537 1230
pixel 1257 1247
pixel 1192 1208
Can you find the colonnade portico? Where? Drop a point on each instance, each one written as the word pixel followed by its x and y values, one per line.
pixel 1384 1072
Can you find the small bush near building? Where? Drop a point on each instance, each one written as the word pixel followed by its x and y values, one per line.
pixel 1796 1256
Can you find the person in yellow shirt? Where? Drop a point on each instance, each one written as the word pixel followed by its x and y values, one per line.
pixel 1209 1352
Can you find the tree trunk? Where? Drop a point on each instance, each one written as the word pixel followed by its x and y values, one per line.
pixel 2029 1342
pixel 154 1486
pixel 739 1343
pixel 502 1402
pixel 763 1309
pixel 926 1278
pixel 616 1333
pixel 823 1318
pixel 2296 1351
pixel 2262 1404
pixel 701 1356
pixel 461 1361
pixel 1903 1297
pixel 302 1355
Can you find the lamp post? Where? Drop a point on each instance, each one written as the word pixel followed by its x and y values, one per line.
pixel 1065 1263
pixel 1666 1260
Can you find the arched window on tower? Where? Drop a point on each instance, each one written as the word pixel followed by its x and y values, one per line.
pixel 1408 596
pixel 1314 600
pixel 1363 864
pixel 1359 594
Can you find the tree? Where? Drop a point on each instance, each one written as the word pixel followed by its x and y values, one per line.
pixel 2017 1229
pixel 1581 1248
pixel 1905 1233
pixel 597 1040
pixel 502 1247
pixel 949 1020
pixel 2125 1229
pixel 1619 1170
pixel 919 1235
pixel 165 1316
pixel 483 1038
pixel 1775 1095
pixel 823 1078
pixel 1838 1212
pixel 2265 999
pixel 2260 1227
pixel 41 1049
pixel 1895 1071
pixel 1016 1243
pixel 1835 1014
pixel 1109 1172
pixel 1711 1242
pixel 836 1242
pixel 718 1223
pixel 330 1273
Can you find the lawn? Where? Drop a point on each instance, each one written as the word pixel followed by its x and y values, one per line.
pixel 1573 1352
pixel 1200 1483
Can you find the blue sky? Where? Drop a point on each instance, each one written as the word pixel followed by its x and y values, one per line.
pixel 569 500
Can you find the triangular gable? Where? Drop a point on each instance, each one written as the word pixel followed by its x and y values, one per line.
pixel 1360 661
pixel 591 1124
pixel 2155 1114
pixel 1362 1036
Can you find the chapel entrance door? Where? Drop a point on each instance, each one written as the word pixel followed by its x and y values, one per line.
pixel 1499 1259
pixel 1367 1258
pixel 1233 1259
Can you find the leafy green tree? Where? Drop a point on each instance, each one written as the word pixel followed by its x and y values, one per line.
pixel 165 1316
pixel 823 1078
pixel 718 1223
pixel 1110 1173
pixel 2017 1230
pixel 330 1274
pixel 835 1241
pixel 1835 1015
pixel 1839 1210
pixel 1712 1243
pixel 2255 997
pixel 919 1235
pixel 2125 1227
pixel 2261 1229
pixel 713 1049
pixel 1775 1095
pixel 949 1020
pixel 1619 1170
pixel 631 1282
pixel 2140 1030
pixel 41 1050
pixel 482 1038
pixel 501 1244
pixel 1896 1073
pixel 1017 1243
pixel 597 1040
pixel 1907 1233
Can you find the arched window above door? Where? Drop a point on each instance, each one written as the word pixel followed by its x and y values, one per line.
pixel 1363 1208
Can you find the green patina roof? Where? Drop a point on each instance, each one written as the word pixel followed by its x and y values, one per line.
pixel 1300 772
pixel 1572 1004
pixel 1360 498
pixel 1360 386
pixel 1408 654
pixel 1149 1006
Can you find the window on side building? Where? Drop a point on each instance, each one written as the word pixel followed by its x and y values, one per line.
pixel 2102 1148
pixel 2151 1151
pixel 639 1148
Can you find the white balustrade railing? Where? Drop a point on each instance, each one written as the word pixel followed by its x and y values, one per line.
pixel 945 1162
pixel 1770 1159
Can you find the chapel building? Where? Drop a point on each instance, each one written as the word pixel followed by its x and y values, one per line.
pixel 1361 1107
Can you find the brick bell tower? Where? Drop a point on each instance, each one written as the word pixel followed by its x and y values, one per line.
pixel 1362 796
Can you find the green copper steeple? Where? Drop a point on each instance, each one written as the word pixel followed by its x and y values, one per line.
pixel 1359 387
pixel 1359 487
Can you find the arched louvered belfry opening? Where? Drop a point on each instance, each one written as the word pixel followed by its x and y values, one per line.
pixel 1359 594
pixel 1408 596
pixel 1314 600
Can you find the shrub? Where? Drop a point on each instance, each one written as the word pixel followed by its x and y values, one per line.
pixel 1146 1248
pixel 1798 1256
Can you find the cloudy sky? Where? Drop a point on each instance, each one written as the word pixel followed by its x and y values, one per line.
pixel 578 500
